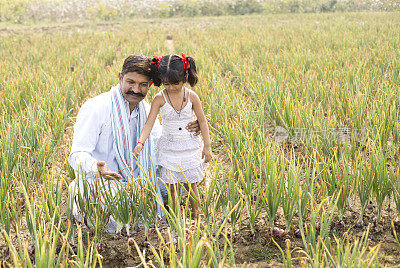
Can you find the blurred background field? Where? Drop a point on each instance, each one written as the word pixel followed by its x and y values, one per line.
pixel 304 113
pixel 24 11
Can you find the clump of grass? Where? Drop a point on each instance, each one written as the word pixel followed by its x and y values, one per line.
pixel 247 174
pixel 291 193
pixel 350 252
pixel 381 184
pixel 117 199
pixel 364 189
pixel 88 199
pixel 316 233
pixel 270 185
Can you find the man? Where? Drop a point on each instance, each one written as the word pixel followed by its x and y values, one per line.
pixel 107 128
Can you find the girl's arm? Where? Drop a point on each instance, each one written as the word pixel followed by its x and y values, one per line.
pixel 203 126
pixel 155 108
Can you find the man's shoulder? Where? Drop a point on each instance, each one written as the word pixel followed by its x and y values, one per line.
pixel 101 102
pixel 103 98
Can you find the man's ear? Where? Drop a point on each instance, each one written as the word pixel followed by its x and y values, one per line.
pixel 120 76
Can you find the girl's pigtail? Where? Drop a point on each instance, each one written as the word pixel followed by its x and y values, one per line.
pixel 192 73
pixel 155 77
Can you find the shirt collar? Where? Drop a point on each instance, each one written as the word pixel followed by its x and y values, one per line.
pixel 135 111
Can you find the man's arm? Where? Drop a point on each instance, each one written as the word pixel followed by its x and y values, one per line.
pixel 83 163
pixel 194 126
pixel 86 135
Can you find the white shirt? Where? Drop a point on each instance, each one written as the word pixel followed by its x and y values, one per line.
pixel 93 136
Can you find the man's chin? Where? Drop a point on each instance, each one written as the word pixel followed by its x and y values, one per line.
pixel 133 97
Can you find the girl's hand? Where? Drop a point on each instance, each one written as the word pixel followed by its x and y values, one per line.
pixel 206 154
pixel 137 149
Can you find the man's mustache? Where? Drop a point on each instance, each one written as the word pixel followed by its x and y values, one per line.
pixel 136 94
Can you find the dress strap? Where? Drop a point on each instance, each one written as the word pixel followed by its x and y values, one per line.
pixel 162 92
pixel 188 95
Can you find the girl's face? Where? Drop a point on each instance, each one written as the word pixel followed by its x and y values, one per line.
pixel 173 87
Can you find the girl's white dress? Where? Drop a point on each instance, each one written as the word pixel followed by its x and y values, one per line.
pixel 178 150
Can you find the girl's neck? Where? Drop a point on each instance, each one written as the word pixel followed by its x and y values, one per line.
pixel 175 91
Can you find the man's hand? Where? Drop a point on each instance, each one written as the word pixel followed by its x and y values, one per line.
pixel 194 127
pixel 106 173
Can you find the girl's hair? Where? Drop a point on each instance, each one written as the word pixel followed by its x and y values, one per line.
pixel 171 69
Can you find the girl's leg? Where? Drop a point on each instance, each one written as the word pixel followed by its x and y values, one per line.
pixel 194 199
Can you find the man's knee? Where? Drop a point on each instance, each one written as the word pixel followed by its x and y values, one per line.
pixel 164 191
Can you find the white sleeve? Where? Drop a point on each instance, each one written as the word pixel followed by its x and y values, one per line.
pixel 155 134
pixel 86 134
pixel 156 130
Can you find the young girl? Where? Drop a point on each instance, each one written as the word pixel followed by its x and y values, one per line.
pixel 179 152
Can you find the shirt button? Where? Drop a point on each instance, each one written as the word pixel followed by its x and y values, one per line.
pixel 180 128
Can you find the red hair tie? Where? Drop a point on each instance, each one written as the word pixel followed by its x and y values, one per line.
pixel 157 60
pixel 186 63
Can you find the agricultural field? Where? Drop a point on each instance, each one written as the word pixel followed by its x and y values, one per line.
pixel 304 115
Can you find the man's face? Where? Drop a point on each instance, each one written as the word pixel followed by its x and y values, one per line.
pixel 134 87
